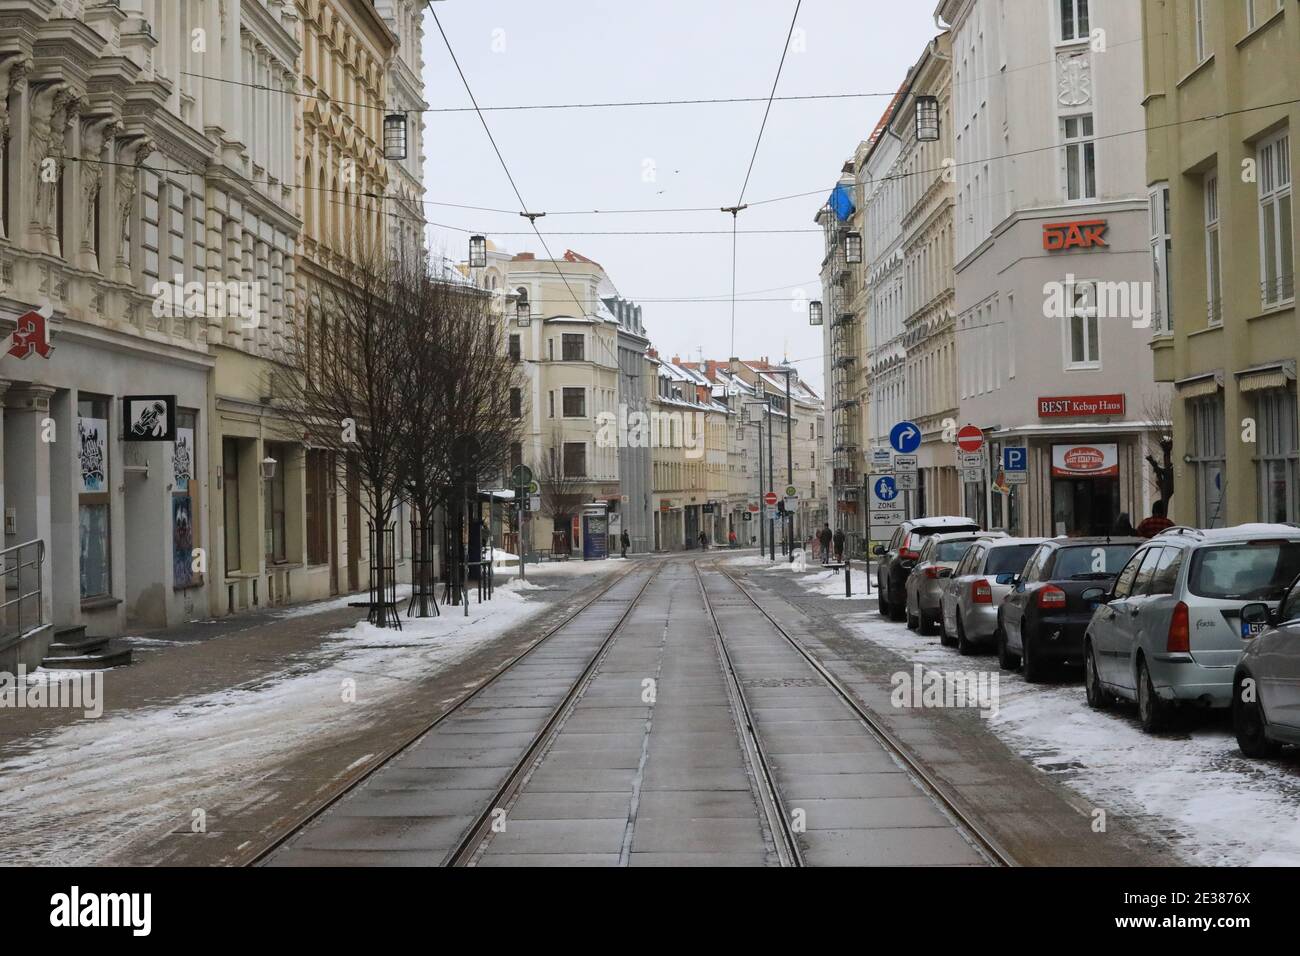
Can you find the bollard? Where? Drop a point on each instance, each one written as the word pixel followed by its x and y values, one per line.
pixel 848 587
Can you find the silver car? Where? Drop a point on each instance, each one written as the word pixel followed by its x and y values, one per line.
pixel 968 605
pixel 1169 630
pixel 1266 686
pixel 939 556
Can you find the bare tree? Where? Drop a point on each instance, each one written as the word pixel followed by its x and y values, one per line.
pixel 344 388
pixel 1159 411
pixel 562 493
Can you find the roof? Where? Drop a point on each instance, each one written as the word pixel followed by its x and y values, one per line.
pixel 943 521
pixel 1241 532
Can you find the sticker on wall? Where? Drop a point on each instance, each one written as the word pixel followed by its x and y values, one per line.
pixel 182 541
pixel 93 454
pixel 149 418
pixel 183 459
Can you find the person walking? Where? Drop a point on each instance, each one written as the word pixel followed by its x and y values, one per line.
pixel 1157 522
pixel 839 545
pixel 704 541
pixel 731 538
pixel 626 541
pixel 825 537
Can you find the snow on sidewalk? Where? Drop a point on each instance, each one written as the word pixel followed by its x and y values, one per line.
pixel 1219 807
pixel 87 791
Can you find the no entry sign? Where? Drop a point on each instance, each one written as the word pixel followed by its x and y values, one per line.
pixel 970 438
pixel 770 498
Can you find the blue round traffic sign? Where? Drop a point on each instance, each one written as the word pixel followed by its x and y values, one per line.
pixel 905 437
pixel 886 488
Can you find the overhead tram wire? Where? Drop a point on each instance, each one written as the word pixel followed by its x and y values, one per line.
pixel 740 200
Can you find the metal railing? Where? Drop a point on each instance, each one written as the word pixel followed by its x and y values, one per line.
pixel 12 565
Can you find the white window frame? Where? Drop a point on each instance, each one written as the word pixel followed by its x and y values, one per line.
pixel 1079 153
pixel 1254 18
pixel 1076 7
pixel 1277 446
pixel 1273 159
pixel 1199 35
pixel 1213 251
pixel 1161 254
pixel 1089 317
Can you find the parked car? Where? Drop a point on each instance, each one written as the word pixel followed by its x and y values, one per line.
pixel 968 604
pixel 939 556
pixel 1266 685
pixel 1043 618
pixel 897 558
pixel 1168 632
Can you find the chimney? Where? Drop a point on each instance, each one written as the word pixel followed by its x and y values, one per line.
pixel 677 359
pixel 652 352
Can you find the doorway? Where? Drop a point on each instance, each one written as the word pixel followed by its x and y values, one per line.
pixel 1084 506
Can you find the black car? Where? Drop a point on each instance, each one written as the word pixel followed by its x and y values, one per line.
pixel 898 559
pixel 1043 619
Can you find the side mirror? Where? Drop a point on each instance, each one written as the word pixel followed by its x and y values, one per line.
pixel 1255 618
pixel 878 550
pixel 945 572
pixel 1015 579
pixel 1096 595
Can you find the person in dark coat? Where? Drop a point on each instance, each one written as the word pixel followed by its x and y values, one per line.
pixel 626 541
pixel 824 537
pixel 704 541
pixel 1159 520
pixel 839 545
pixel 1123 526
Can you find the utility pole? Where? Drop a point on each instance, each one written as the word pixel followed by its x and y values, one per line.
pixel 771 531
pixel 789 458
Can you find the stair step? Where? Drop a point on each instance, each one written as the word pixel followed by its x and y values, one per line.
pixel 70 634
pixel 77 648
pixel 97 661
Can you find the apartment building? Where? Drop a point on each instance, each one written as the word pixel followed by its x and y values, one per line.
pixel 1222 236
pixel 680 413
pixel 1052 263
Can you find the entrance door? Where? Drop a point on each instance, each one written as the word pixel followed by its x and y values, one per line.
pixel 331 492
pixel 230 501
pixel 1084 506
pixel 354 527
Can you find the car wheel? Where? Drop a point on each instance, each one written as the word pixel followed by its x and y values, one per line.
pixel 1006 660
pixel 1033 667
pixel 1098 697
pixel 1248 723
pixel 1152 711
pixel 880 600
pixel 964 647
pixel 944 639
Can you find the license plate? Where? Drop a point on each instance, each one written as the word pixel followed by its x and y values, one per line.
pixel 1251 630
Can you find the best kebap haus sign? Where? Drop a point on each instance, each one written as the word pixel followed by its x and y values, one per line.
pixel 1085 461
pixel 1080 406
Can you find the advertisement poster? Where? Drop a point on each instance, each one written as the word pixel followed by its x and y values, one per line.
pixel 182 541
pixel 92 454
pixel 1085 461
pixel 183 459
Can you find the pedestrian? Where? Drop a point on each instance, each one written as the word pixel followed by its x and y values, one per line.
pixel 626 541
pixel 825 537
pixel 704 541
pixel 1123 526
pixel 1157 522
pixel 731 538
pixel 839 545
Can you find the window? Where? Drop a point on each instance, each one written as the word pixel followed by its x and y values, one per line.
pixel 515 352
pixel 1090 561
pixel 273 505
pixel 1166 575
pixel 1213 282
pixel 575 459
pixel 572 347
pixel 1034 568
pixel 1084 346
pixel 1074 19
pixel 94 531
pixel 1249 571
pixel 1142 583
pixel 575 403
pixel 230 500
pixel 318 509
pixel 1277 444
pixel 1208 458
pixel 1290 610
pixel 1258 11
pixel 551 399
pixel 185 505
pixel 1080 157
pixel 516 403
pixel 1277 270
pixel 1199 28
pixel 1124 583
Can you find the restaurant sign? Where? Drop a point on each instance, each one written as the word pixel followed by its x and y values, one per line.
pixel 1085 461
pixel 1080 406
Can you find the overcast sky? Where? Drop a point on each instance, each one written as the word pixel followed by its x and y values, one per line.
pixel 525 52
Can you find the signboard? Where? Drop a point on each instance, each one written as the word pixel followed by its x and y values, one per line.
pixel 970 438
pixel 881 460
pixel 905 463
pixel 615 526
pixel 972 476
pixel 905 438
pixel 791 491
pixel 1015 459
pixel 746 516
pixel 753 508
pixel 535 503
pixel 967 459
pixel 791 505
pixel 1016 477
pixel 770 499
pixel 886 508
pixel 1080 406
pixel 1079 234
pixel 149 418
pixel 522 476
pixel 32 334
pixel 595 541
pixel 906 480
pixel 1085 461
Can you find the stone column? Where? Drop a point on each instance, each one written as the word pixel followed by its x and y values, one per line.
pixel 27 480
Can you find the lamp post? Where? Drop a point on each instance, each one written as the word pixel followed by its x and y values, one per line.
pixel 762 505
pixel 478 252
pixel 395 136
pixel 787 371
pixel 927 119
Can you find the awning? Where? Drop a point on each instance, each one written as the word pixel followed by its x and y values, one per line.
pixel 1272 375
pixel 1194 386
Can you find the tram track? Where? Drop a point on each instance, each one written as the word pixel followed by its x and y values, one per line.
pixel 926 780
pixel 366 773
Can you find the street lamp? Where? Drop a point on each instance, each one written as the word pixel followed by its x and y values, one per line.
pixel 477 252
pixel 395 136
pixel 815 312
pixel 523 312
pixel 268 468
pixel 927 119
pixel 853 247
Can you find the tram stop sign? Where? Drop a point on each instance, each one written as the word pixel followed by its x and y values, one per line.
pixel 522 476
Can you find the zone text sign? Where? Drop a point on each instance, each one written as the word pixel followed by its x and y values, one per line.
pixel 1070 406
pixel 1080 234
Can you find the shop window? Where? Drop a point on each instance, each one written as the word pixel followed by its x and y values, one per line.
pixel 93 515
pixel 185 500
pixel 1276 464
pixel 230 501
pixel 273 527
pixel 1208 458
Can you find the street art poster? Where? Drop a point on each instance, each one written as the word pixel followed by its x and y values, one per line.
pixel 182 541
pixel 149 418
pixel 93 454
pixel 183 459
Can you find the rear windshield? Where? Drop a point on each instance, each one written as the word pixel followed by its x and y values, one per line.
pixel 1095 561
pixel 1250 571
pixel 1008 560
pixel 926 532
pixel 951 550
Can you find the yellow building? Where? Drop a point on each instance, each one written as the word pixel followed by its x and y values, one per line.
pixel 1223 239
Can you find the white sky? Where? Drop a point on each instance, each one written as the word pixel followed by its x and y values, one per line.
pixel 567 51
